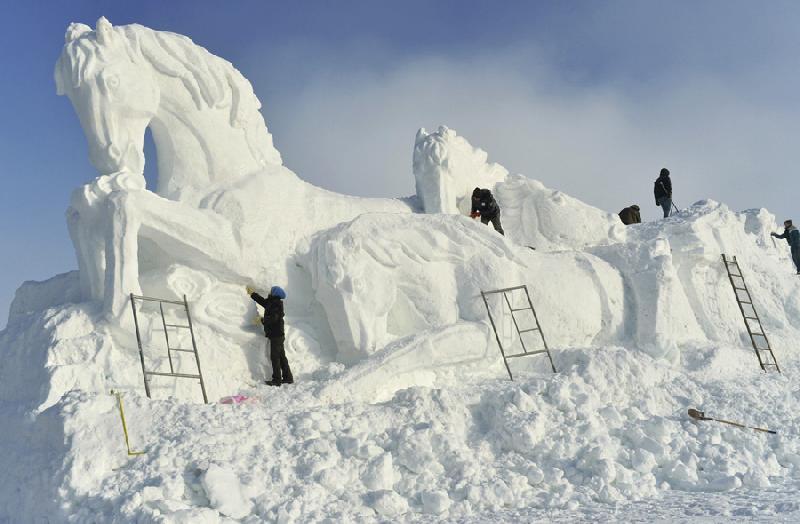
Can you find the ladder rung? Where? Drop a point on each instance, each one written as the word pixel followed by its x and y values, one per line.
pixel 151 299
pixel 177 326
pixel 751 318
pixel 521 331
pixel 504 290
pixel 521 309
pixel 743 302
pixel 740 289
pixel 753 334
pixel 174 375
pixel 181 349
pixel 527 354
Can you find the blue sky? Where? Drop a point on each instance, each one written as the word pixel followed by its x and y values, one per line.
pixel 589 97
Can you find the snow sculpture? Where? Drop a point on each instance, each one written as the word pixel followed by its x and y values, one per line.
pixel 447 168
pixel 123 79
pixel 216 162
pixel 377 288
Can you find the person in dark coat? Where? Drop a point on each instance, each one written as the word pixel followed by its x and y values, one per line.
pixel 273 330
pixel 663 191
pixel 792 236
pixel 630 215
pixel 485 206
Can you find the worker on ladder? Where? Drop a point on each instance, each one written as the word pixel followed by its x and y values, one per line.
pixel 792 236
pixel 273 330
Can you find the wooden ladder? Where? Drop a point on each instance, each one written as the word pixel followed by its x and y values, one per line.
pixel 761 345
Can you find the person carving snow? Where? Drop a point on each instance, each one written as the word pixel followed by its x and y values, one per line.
pixel 273 330
pixel 663 191
pixel 485 206
pixel 792 236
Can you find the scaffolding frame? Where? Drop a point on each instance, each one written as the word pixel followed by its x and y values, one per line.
pixel 147 374
pixel 538 328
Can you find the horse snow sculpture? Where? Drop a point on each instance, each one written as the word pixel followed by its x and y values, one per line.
pixel 216 163
pixel 447 168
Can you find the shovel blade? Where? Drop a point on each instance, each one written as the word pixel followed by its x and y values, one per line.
pixel 697 415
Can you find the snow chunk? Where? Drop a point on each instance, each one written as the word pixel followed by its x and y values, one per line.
pixel 379 474
pixel 435 502
pixel 224 492
pixel 388 503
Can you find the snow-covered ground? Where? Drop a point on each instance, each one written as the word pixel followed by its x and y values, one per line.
pixel 402 409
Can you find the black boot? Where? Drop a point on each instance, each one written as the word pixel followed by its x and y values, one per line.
pixel 273 382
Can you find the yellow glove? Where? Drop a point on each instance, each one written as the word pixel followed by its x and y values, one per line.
pixel 250 290
pixel 257 320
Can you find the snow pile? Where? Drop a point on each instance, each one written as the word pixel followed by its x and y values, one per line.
pixel 401 409
pixel 609 428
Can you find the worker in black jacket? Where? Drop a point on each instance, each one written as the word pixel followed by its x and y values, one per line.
pixel 630 215
pixel 273 330
pixel 792 235
pixel 663 191
pixel 485 206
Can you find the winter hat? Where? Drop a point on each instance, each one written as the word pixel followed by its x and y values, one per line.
pixel 634 206
pixel 787 223
pixel 277 291
pixel 664 172
pixel 476 191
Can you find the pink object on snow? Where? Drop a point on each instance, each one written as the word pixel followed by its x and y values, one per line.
pixel 234 399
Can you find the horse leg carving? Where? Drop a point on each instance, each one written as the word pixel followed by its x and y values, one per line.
pixel 121 253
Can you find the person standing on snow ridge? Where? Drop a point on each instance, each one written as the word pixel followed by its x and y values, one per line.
pixel 630 215
pixel 663 191
pixel 273 330
pixel 485 206
pixel 792 236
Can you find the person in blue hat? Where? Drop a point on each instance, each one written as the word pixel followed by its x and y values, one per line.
pixel 273 330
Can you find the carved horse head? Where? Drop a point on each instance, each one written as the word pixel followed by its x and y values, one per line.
pixel 203 113
pixel 114 96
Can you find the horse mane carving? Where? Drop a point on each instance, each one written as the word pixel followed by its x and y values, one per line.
pixel 211 83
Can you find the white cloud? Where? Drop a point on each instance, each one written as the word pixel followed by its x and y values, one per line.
pixel 351 128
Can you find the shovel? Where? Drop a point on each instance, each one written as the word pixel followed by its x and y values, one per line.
pixel 701 415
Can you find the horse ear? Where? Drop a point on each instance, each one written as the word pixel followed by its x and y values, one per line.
pixel 103 30
pixel 74 30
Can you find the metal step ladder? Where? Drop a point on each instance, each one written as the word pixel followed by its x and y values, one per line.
pixel 761 345
pixel 167 326
pixel 538 329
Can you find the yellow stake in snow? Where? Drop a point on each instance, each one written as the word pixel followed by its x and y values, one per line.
pixel 124 425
